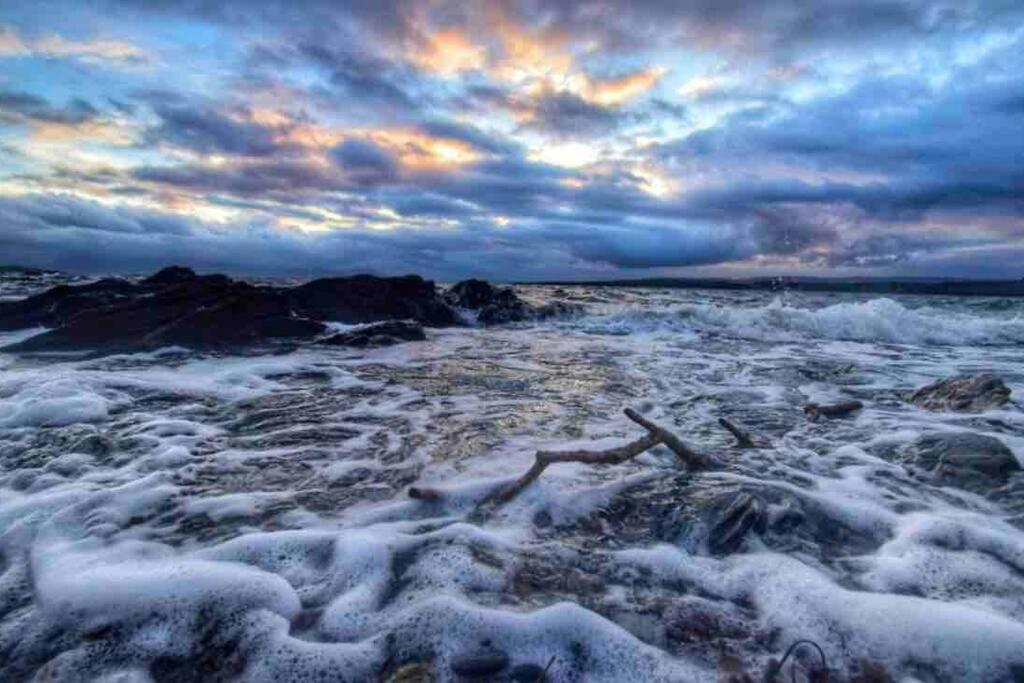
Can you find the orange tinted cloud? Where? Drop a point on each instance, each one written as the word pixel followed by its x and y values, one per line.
pixel 90 51
pixel 418 151
pixel 448 52
pixel 615 91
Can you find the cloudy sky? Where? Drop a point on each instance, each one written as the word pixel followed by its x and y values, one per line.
pixel 515 140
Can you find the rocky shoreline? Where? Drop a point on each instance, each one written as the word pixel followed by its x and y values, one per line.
pixel 177 307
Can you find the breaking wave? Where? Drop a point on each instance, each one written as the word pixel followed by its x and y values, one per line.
pixel 877 320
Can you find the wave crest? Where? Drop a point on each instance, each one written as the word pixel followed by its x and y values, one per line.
pixel 876 320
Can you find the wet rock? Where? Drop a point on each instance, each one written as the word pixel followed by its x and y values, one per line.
pixel 475 294
pixel 479 664
pixel 971 461
pixel 171 275
pixel 831 410
pixel 367 299
pixel 732 518
pixel 693 619
pixel 93 444
pixel 497 305
pixel 963 393
pixel 177 307
pixel 379 334
pixel 419 672
pixel 203 312
pixel 57 305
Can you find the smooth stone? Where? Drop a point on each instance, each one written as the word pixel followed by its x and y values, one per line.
pixel 963 393
pixel 969 460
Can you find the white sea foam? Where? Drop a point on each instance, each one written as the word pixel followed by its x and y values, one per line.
pixel 876 320
pixel 249 514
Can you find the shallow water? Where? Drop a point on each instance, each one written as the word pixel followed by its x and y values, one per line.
pixel 171 515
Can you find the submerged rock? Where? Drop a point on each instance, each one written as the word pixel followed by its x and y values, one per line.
pixel 971 461
pixel 177 307
pixel 732 518
pixel 379 334
pixel 528 673
pixel 417 672
pixel 497 305
pixel 479 664
pixel 965 393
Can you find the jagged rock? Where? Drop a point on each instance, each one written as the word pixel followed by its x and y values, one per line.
pixel 367 299
pixel 498 305
pixel 965 393
pixel 171 275
pixel 56 306
pixel 379 334
pixel 479 664
pixel 971 461
pixel 475 294
pixel 177 307
pixel 203 312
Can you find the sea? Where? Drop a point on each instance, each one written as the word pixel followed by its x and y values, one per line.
pixel 175 515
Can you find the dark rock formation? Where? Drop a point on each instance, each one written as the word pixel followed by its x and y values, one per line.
pixel 379 334
pixel 975 462
pixel 497 305
pixel 178 307
pixel 964 393
pixel 367 299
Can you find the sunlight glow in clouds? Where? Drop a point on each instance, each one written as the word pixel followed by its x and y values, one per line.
pixel 461 138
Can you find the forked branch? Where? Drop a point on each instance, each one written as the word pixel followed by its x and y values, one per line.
pixel 613 456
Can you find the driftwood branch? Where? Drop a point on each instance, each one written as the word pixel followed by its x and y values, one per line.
pixel 690 457
pixel 743 438
pixel 613 456
pixel 816 410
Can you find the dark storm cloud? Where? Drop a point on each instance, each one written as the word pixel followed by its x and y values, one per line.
pixel 248 179
pixel 205 130
pixel 852 166
pixel 363 77
pixel 569 114
pixel 16 106
pixel 365 162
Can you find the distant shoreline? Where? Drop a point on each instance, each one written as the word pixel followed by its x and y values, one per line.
pixel 1004 288
pixel 933 286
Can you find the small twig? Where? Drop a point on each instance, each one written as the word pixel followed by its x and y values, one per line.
pixel 743 439
pixel 815 410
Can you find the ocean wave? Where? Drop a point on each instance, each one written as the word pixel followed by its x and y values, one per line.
pixel 877 320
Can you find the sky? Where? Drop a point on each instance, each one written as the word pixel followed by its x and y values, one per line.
pixel 532 140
